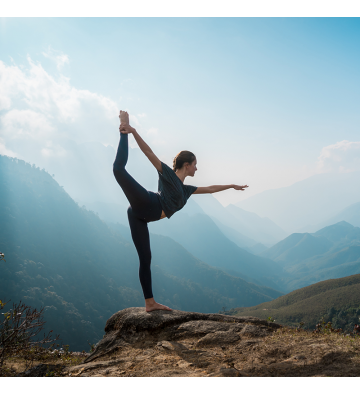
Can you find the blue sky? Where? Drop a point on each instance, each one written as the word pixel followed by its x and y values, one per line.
pixel 262 101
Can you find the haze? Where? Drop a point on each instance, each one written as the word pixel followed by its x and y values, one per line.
pixel 263 102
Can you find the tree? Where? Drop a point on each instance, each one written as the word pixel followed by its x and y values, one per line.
pixel 20 330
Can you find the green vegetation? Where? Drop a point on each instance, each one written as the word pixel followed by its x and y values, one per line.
pixel 63 257
pixel 336 301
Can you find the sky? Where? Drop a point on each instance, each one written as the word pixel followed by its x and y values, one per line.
pixel 265 102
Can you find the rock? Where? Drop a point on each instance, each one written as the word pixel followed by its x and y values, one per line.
pixel 171 345
pixel 229 372
pixel 136 326
pixel 255 331
pixel 226 372
pixel 299 357
pixel 205 327
pixel 42 370
pixel 219 338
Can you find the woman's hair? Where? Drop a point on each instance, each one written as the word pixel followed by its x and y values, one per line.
pixel 181 158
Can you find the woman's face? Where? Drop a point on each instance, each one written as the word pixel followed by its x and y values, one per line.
pixel 192 168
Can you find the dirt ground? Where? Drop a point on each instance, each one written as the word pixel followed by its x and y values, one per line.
pixel 284 353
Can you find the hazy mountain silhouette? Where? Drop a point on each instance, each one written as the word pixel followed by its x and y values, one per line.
pixel 350 214
pixel 297 247
pixel 251 225
pixel 202 238
pixel 307 202
pixel 331 252
pixel 262 229
pixel 64 257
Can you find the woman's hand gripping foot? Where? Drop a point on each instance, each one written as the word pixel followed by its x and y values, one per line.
pixel 124 123
pixel 151 305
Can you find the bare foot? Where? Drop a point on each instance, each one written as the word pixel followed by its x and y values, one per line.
pixel 151 305
pixel 124 118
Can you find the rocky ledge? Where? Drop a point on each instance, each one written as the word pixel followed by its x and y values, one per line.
pixel 186 336
pixel 177 343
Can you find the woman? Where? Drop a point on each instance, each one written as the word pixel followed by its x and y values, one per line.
pixel 146 206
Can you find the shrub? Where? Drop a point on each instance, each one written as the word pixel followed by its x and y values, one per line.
pixel 20 330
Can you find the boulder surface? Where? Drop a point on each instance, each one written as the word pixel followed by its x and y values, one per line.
pixel 186 344
pixel 136 326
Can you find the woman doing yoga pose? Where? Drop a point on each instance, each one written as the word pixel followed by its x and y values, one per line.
pixel 146 206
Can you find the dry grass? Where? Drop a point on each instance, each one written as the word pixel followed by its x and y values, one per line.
pixel 16 365
pixel 285 352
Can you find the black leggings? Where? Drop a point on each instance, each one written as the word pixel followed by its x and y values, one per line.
pixel 144 207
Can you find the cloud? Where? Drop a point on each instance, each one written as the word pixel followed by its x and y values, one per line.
pixel 153 132
pixel 43 115
pixel 5 151
pixel 26 124
pixel 38 108
pixel 342 157
pixel 57 56
pixel 133 120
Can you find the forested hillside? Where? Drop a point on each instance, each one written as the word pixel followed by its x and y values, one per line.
pixel 337 301
pixel 64 257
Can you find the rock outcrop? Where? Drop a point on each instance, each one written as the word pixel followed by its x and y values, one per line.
pixel 185 336
pixel 183 344
pixel 136 326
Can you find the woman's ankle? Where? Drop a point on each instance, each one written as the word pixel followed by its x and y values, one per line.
pixel 150 301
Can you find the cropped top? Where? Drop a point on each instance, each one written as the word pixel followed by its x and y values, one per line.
pixel 172 192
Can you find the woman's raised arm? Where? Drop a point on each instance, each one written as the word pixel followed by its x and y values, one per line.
pixel 143 146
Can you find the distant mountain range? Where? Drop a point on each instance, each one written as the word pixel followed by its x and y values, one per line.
pixel 262 230
pixel 308 202
pixel 350 214
pixel 201 237
pixel 337 301
pixel 65 258
pixel 82 269
pixel 331 252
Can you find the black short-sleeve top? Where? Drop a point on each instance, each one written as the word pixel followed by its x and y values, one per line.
pixel 172 192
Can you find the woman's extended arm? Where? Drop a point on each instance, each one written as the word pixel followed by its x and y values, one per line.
pixel 218 188
pixel 143 146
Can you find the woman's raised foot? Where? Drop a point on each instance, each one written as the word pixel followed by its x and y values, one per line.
pixel 124 118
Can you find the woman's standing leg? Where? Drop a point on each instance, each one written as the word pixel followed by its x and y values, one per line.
pixel 141 239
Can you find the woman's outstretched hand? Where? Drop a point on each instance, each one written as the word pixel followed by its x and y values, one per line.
pixel 240 187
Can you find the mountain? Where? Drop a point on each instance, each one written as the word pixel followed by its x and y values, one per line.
pixel 331 252
pixel 341 233
pixel 336 300
pixel 262 229
pixel 203 239
pixel 307 202
pixel 251 225
pixel 65 258
pixel 350 214
pixel 296 248
pixel 332 265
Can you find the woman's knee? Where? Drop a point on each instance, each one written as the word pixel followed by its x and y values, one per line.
pixel 130 212
pixel 118 169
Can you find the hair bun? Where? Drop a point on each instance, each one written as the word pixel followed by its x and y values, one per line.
pixel 181 158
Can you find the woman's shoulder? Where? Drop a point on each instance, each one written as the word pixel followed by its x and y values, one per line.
pixel 167 170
